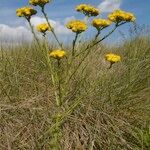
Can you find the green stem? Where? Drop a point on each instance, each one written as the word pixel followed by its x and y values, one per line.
pixel 98 33
pixel 59 100
pixel 110 65
pixel 51 71
pixel 95 39
pixel 92 45
pixel 32 30
pixel 74 43
pixel 95 43
pixel 116 26
pixel 73 106
pixel 78 66
pixel 86 19
pixel 62 118
pixel 52 30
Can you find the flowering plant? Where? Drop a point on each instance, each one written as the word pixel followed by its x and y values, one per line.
pixel 61 76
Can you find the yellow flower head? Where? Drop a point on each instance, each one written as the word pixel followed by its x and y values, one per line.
pixel 112 58
pixel 77 26
pixel 43 27
pixel 87 10
pixel 57 54
pixel 101 23
pixel 25 12
pixel 120 15
pixel 38 2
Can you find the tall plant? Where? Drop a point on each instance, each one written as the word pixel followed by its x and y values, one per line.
pixel 56 58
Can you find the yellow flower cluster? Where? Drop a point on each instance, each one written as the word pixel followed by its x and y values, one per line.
pixel 88 10
pixel 120 15
pixel 112 58
pixel 77 26
pixel 38 2
pixel 25 12
pixel 43 27
pixel 57 54
pixel 100 23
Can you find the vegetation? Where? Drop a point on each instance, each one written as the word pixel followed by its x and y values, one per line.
pixel 79 96
pixel 114 103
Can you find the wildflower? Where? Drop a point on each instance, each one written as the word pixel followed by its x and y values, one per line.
pixel 57 54
pixel 100 23
pixel 26 12
pixel 43 28
pixel 40 3
pixel 112 58
pixel 120 15
pixel 87 10
pixel 77 26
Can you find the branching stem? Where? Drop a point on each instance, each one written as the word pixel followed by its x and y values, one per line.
pixel 88 48
pixel 52 29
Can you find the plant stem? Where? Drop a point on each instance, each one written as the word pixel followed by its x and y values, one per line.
pixel 32 30
pixel 92 45
pixel 74 43
pixel 52 29
pixel 51 72
pixel 61 119
pixel 59 100
pixel 86 19
pixel 110 65
pixel 95 43
pixel 98 33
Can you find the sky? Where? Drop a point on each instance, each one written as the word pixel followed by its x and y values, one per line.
pixel 60 11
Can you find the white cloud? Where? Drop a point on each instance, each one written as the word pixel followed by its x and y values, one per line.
pixel 22 33
pixel 59 28
pixel 67 19
pixel 109 5
pixel 14 34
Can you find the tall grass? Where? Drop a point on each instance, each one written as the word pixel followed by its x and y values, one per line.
pixel 114 103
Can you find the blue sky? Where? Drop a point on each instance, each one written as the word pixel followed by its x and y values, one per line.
pixel 59 10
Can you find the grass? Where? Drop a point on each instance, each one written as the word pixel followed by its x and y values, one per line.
pixel 114 105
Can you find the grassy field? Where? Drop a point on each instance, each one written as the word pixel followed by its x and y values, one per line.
pixel 113 111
